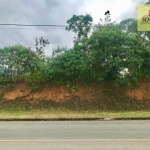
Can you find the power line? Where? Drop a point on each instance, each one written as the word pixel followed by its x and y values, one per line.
pixel 31 25
pixel 39 27
pixel 33 28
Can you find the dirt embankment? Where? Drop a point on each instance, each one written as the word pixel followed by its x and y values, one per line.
pixel 49 92
pixel 61 93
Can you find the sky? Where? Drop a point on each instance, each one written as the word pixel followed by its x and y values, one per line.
pixel 54 12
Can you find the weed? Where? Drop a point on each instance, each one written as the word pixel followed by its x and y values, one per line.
pixel 35 88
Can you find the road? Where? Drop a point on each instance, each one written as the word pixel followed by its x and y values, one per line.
pixel 76 135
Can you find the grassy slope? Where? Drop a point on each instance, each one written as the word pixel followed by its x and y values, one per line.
pixel 24 114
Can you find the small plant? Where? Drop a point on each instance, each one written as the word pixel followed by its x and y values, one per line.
pixel 35 88
pixel 71 87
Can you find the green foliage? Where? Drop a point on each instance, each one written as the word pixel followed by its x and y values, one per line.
pixel 16 60
pixel 81 25
pixel 113 52
pixel 130 26
pixel 40 43
pixel 68 63
pixel 35 88
pixel 38 71
pixel 19 63
pixel 71 87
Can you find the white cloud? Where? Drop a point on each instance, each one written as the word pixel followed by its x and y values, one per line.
pixel 55 12
pixel 118 8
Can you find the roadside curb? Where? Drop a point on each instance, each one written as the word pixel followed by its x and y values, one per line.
pixel 71 119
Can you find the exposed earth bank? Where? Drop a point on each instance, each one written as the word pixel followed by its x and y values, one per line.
pixel 94 96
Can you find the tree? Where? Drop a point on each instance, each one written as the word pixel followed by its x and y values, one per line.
pixel 39 72
pixel 17 60
pixel 130 26
pixel 112 50
pixel 81 25
pixel 39 63
pixel 40 43
pixel 21 63
pixel 68 64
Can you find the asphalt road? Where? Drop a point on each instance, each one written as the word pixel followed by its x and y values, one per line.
pixel 76 135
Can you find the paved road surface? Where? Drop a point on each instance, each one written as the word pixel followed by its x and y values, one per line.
pixel 75 135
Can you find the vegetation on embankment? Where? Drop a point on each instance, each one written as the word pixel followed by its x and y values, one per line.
pixel 108 69
pixel 96 97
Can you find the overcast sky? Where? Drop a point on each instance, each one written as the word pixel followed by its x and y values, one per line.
pixel 55 12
